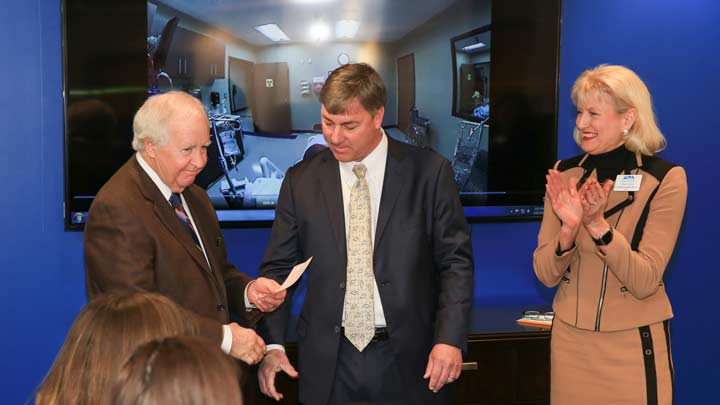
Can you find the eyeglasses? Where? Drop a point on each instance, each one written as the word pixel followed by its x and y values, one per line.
pixel 538 316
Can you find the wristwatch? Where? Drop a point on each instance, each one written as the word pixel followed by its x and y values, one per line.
pixel 605 239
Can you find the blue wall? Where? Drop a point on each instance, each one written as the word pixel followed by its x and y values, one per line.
pixel 673 46
pixel 669 43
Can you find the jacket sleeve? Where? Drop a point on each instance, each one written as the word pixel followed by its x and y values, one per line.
pixel 452 252
pixel 641 271
pixel 235 284
pixel 282 253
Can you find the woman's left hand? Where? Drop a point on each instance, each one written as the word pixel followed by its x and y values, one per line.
pixel 594 198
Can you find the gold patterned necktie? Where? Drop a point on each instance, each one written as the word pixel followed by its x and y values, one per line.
pixel 359 310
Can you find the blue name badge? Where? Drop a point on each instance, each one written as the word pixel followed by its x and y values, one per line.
pixel 627 182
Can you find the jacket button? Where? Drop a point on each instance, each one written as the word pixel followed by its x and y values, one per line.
pixel 337 329
pixel 221 307
pixel 342 285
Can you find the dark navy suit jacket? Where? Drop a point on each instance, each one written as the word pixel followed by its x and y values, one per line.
pixel 422 262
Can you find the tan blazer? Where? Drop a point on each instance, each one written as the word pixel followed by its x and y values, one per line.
pixel 135 242
pixel 629 292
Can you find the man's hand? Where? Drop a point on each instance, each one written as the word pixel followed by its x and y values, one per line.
pixel 274 361
pixel 246 344
pixel 262 293
pixel 444 366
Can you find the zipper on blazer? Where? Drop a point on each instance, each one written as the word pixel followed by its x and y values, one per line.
pixel 603 287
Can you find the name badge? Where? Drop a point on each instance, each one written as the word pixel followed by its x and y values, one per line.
pixel 627 182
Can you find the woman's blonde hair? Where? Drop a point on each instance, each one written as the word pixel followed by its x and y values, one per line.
pixel 181 370
pixel 626 91
pixel 102 336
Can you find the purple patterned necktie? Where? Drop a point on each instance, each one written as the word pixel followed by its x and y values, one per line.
pixel 176 203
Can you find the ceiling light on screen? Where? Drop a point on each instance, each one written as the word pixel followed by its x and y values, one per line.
pixel 319 32
pixel 346 29
pixel 473 46
pixel 273 32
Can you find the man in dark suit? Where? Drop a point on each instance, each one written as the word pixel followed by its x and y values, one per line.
pixel 390 285
pixel 151 229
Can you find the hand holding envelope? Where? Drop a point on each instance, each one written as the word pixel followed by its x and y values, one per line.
pixel 264 295
pixel 267 294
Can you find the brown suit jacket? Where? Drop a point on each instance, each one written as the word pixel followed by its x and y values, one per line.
pixel 135 242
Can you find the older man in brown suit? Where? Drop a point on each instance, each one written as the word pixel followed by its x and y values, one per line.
pixel 151 229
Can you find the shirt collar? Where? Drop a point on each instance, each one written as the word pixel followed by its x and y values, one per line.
pixel 374 161
pixel 164 189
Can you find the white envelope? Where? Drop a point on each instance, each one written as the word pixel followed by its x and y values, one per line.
pixel 294 275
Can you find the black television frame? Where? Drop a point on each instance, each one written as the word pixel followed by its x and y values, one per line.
pixel 490 207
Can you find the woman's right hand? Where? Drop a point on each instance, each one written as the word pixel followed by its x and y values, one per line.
pixel 566 204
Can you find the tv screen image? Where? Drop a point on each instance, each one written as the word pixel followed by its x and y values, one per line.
pixel 475 81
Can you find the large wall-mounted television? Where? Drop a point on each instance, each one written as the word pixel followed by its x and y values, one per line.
pixel 475 80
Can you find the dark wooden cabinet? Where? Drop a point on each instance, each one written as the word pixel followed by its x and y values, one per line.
pixel 512 368
pixel 214 58
pixel 181 58
pixel 506 364
pixel 194 60
pixel 210 54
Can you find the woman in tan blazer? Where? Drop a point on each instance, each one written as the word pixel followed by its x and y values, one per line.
pixel 612 217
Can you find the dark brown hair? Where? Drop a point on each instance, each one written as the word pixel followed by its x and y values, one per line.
pixel 181 370
pixel 102 336
pixel 353 81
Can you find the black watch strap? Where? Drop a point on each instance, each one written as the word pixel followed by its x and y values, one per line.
pixel 605 239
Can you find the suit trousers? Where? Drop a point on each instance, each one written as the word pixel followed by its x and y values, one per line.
pixel 370 376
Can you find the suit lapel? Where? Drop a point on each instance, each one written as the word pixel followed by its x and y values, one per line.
pixel 395 179
pixel 331 189
pixel 167 215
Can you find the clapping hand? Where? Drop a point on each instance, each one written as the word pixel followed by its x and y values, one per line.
pixel 565 199
pixel 566 204
pixel 594 199
pixel 574 207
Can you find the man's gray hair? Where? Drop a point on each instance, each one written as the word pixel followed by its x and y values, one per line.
pixel 154 117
